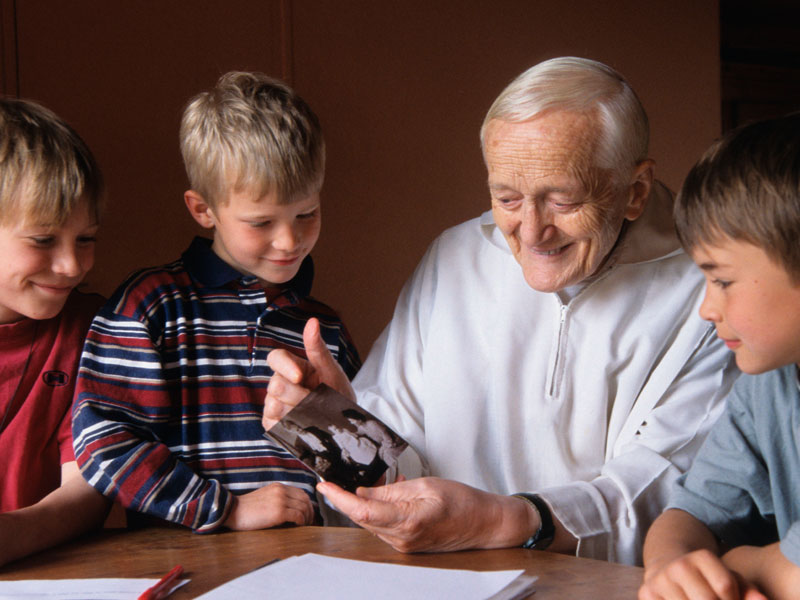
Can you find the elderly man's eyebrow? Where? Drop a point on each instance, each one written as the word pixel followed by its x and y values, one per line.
pixel 498 186
pixel 544 190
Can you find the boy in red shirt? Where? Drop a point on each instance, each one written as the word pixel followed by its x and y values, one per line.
pixel 50 190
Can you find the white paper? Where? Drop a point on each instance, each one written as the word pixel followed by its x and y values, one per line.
pixel 77 589
pixel 323 577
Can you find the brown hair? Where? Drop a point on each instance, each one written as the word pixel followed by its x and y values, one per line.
pixel 251 132
pixel 45 167
pixel 747 187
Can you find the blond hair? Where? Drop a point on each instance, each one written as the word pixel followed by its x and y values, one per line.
pixel 251 132
pixel 46 169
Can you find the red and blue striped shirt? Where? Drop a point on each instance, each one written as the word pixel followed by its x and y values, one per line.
pixel 171 387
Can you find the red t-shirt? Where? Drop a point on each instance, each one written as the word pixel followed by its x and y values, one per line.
pixel 35 415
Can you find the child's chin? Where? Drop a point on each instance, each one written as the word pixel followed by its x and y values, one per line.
pixel 42 313
pixel 275 280
pixel 751 368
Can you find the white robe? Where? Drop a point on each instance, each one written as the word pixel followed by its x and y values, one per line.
pixel 597 403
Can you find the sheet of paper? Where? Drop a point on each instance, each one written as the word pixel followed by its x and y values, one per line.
pixel 323 577
pixel 77 589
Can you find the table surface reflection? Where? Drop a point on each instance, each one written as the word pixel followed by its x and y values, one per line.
pixel 210 560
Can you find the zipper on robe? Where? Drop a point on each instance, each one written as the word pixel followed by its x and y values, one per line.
pixel 555 374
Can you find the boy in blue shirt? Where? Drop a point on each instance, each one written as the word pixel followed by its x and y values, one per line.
pixel 732 527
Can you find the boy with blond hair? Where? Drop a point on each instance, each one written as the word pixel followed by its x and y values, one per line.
pixel 173 378
pixel 732 527
pixel 50 192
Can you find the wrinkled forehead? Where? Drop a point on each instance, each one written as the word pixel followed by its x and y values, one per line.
pixel 557 143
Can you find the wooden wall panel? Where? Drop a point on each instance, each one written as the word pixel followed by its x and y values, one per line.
pixel 8 48
pixel 401 88
pixel 121 73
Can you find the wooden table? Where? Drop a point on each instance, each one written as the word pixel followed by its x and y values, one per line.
pixel 210 560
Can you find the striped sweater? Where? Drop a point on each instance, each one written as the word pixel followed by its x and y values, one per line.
pixel 171 387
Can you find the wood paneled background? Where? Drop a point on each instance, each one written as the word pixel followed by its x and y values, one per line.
pixel 401 89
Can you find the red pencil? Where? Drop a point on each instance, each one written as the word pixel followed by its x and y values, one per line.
pixel 164 586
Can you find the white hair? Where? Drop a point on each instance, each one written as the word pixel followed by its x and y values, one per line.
pixel 580 85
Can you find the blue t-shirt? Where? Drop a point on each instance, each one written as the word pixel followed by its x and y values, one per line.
pixel 745 482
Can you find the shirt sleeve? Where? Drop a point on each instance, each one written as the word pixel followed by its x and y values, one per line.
pixel 611 513
pixel 728 486
pixel 790 544
pixel 123 409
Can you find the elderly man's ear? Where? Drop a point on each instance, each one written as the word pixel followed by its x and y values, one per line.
pixel 639 190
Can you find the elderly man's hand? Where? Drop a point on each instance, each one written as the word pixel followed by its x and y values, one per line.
pixel 294 377
pixel 434 515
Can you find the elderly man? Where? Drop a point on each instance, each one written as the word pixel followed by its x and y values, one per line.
pixel 551 346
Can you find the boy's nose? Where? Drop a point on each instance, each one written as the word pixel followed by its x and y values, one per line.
pixel 286 238
pixel 708 309
pixel 67 262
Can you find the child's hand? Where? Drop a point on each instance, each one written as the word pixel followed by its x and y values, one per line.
pixel 768 568
pixel 699 574
pixel 270 506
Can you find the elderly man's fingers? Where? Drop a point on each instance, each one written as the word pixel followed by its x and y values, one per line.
pixel 387 520
pixel 291 367
pixel 284 391
pixel 382 493
pixel 342 500
pixel 318 354
pixel 274 411
pixel 323 366
pixel 370 514
pixel 282 396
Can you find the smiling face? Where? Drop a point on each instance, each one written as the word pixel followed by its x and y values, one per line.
pixel 40 264
pixel 259 236
pixel 560 215
pixel 753 302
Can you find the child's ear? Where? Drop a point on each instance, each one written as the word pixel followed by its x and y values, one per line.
pixel 639 191
pixel 199 209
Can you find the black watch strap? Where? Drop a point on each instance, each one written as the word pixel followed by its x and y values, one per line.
pixel 543 536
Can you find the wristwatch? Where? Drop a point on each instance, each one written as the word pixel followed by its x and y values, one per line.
pixel 543 536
